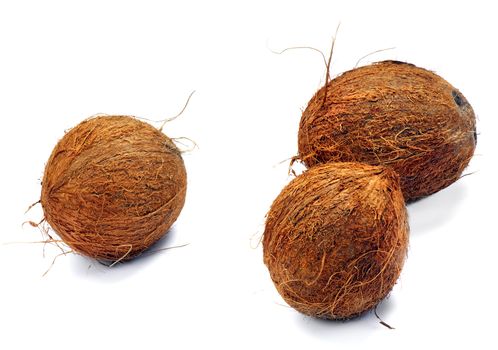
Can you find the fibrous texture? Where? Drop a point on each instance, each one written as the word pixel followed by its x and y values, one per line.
pixel 113 186
pixel 336 238
pixel 394 114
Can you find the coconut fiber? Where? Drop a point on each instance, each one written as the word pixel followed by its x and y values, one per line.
pixel 336 239
pixel 394 114
pixel 113 186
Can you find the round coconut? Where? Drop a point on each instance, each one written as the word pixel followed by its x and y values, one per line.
pixel 395 114
pixel 336 239
pixel 113 186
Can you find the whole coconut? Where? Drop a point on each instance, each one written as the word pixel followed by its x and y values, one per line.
pixel 394 114
pixel 112 187
pixel 336 239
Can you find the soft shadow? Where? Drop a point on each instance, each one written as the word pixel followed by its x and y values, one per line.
pixel 355 330
pixel 427 214
pixel 90 268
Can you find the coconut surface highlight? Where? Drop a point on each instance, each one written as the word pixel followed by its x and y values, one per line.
pixel 336 238
pixel 394 114
pixel 112 187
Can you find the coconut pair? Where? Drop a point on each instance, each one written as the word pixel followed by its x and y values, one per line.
pixel 373 138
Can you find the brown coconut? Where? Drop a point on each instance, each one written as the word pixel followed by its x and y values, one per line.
pixel 113 186
pixel 394 114
pixel 336 239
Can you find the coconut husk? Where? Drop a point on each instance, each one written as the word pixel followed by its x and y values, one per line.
pixel 112 187
pixel 336 239
pixel 394 114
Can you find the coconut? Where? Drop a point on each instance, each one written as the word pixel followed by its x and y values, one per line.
pixel 336 239
pixel 113 186
pixel 394 114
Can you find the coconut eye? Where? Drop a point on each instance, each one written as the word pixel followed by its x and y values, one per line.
pixel 457 97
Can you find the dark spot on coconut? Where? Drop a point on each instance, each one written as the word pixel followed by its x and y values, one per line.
pixel 475 136
pixel 397 62
pixel 457 97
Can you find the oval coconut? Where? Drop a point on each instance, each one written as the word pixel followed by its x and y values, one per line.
pixel 336 239
pixel 394 114
pixel 112 187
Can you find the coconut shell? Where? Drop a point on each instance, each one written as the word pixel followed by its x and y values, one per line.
pixel 394 114
pixel 336 239
pixel 112 187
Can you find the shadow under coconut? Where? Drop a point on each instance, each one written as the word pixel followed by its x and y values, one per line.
pixel 91 268
pixel 357 329
pixel 429 213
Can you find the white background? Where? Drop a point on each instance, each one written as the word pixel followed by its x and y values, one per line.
pixel 63 61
